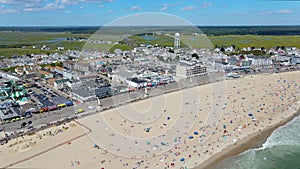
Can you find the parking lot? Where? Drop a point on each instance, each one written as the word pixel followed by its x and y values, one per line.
pixel 38 93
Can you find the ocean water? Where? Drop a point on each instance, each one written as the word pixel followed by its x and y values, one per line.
pixel 280 151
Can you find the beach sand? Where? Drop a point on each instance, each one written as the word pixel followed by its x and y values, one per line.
pixel 189 128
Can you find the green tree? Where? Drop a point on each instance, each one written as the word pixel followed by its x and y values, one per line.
pixel 195 55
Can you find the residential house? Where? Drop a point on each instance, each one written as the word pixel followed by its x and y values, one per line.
pixel 60 84
pixel 69 74
pixel 69 65
pixel 58 69
pixel 45 74
pixel 51 81
pixel 49 68
pixel 83 66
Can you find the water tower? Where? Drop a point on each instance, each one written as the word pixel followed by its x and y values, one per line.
pixel 177 41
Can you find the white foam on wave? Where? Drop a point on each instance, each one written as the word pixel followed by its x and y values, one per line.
pixel 285 135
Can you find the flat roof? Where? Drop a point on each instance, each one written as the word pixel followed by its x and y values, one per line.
pixel 10 113
pixel 136 80
pixel 47 103
pixel 103 90
pixel 84 92
pixel 59 100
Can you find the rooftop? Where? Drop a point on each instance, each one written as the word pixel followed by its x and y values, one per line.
pixel 84 92
pixel 61 81
pixel 59 100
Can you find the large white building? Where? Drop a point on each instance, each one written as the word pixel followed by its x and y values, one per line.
pixel 69 74
pixel 186 69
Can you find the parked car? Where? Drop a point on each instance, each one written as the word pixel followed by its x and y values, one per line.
pixel 79 111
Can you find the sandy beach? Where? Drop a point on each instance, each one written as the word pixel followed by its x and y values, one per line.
pixel 194 127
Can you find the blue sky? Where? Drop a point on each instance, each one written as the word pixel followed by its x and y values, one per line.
pixel 101 12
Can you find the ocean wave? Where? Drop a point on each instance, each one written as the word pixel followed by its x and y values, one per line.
pixel 285 135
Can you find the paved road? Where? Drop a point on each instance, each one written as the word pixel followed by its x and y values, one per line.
pixel 94 107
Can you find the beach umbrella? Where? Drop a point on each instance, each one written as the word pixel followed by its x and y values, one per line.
pixel 148 129
pixel 182 159
pixel 196 133
pixel 250 114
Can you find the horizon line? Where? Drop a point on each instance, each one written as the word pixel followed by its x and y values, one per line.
pixel 250 25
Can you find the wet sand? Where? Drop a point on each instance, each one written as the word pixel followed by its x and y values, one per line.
pixel 255 140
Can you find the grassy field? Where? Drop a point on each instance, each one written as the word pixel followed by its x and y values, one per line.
pixel 256 41
pixel 20 43
pixel 35 37
pixel 8 52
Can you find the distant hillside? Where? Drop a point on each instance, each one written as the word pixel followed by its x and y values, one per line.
pixel 252 30
pixel 209 30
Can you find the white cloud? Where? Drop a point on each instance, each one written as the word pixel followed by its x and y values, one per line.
pixel 50 6
pixel 33 9
pixel 266 12
pixel 20 1
pixel 135 8
pixel 286 11
pixel 189 8
pixel 101 6
pixel 109 11
pixel 73 2
pixel 164 9
pixel 43 5
pixel 4 10
pixel 206 4
pixel 54 6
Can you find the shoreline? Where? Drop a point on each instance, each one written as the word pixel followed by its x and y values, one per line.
pixel 255 140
